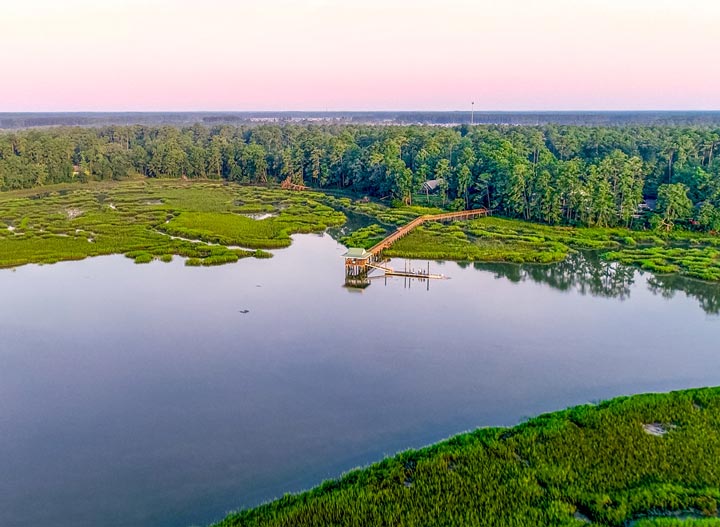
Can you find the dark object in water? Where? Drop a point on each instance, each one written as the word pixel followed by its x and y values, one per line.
pixel 243 311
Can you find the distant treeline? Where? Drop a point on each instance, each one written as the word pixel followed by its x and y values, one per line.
pixel 597 176
pixel 567 118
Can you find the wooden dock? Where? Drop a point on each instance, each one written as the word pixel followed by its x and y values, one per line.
pixel 408 273
pixel 359 261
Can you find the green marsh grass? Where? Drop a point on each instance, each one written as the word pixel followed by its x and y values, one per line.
pixel 72 222
pixel 698 262
pixel 595 461
pixel 364 237
pixel 493 239
pixel 140 218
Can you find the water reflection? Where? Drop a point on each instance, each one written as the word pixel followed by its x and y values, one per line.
pixel 587 273
pixel 707 294
pixel 583 272
pixel 228 386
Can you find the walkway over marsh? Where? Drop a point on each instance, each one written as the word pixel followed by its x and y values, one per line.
pixel 358 260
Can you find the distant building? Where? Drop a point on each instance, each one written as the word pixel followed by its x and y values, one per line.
pixel 647 205
pixel 432 185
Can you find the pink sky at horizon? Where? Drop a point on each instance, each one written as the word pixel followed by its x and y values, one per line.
pixel 163 55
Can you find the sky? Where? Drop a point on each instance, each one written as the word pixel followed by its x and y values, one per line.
pixel 162 55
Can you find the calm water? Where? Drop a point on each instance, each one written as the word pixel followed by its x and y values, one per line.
pixel 143 396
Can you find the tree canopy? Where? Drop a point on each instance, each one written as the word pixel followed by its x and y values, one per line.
pixel 596 176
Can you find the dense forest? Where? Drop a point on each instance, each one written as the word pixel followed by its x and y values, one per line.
pixel 595 176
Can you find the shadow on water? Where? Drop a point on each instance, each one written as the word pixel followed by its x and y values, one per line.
pixel 587 273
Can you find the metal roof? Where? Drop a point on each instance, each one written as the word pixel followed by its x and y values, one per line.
pixel 432 184
pixel 356 252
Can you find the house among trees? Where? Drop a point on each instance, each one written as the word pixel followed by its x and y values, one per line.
pixel 432 185
pixel 646 206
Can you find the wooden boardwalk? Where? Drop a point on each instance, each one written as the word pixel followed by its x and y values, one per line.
pixel 359 262
pixel 376 249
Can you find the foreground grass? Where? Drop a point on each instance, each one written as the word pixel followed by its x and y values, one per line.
pixel 154 219
pixel 596 464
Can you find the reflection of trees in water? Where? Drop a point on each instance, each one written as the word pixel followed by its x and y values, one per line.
pixel 354 222
pixel 708 295
pixel 584 272
pixel 587 273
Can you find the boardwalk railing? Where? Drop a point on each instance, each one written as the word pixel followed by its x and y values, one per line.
pixel 403 231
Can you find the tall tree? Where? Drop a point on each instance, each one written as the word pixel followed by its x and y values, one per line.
pixel 673 204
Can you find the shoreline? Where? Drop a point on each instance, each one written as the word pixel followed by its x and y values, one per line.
pixel 626 459
pixel 205 220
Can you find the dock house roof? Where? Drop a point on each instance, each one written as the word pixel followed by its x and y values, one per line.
pixel 357 253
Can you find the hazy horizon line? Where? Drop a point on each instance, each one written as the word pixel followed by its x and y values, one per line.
pixel 378 110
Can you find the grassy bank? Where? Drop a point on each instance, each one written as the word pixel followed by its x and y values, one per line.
pixel 487 240
pixel 502 240
pixel 651 458
pixel 212 223
pixel 493 239
pixel 154 219
pixel 699 260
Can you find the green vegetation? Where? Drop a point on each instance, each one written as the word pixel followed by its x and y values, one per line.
pixel 558 175
pixel 583 187
pixel 623 460
pixel 209 224
pixel 560 189
pixel 397 215
pixel 701 262
pixel 493 239
pixel 228 228
pixel 365 237
pixel 487 239
pixel 145 220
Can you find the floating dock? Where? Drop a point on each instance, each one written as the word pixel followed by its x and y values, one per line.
pixel 409 273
